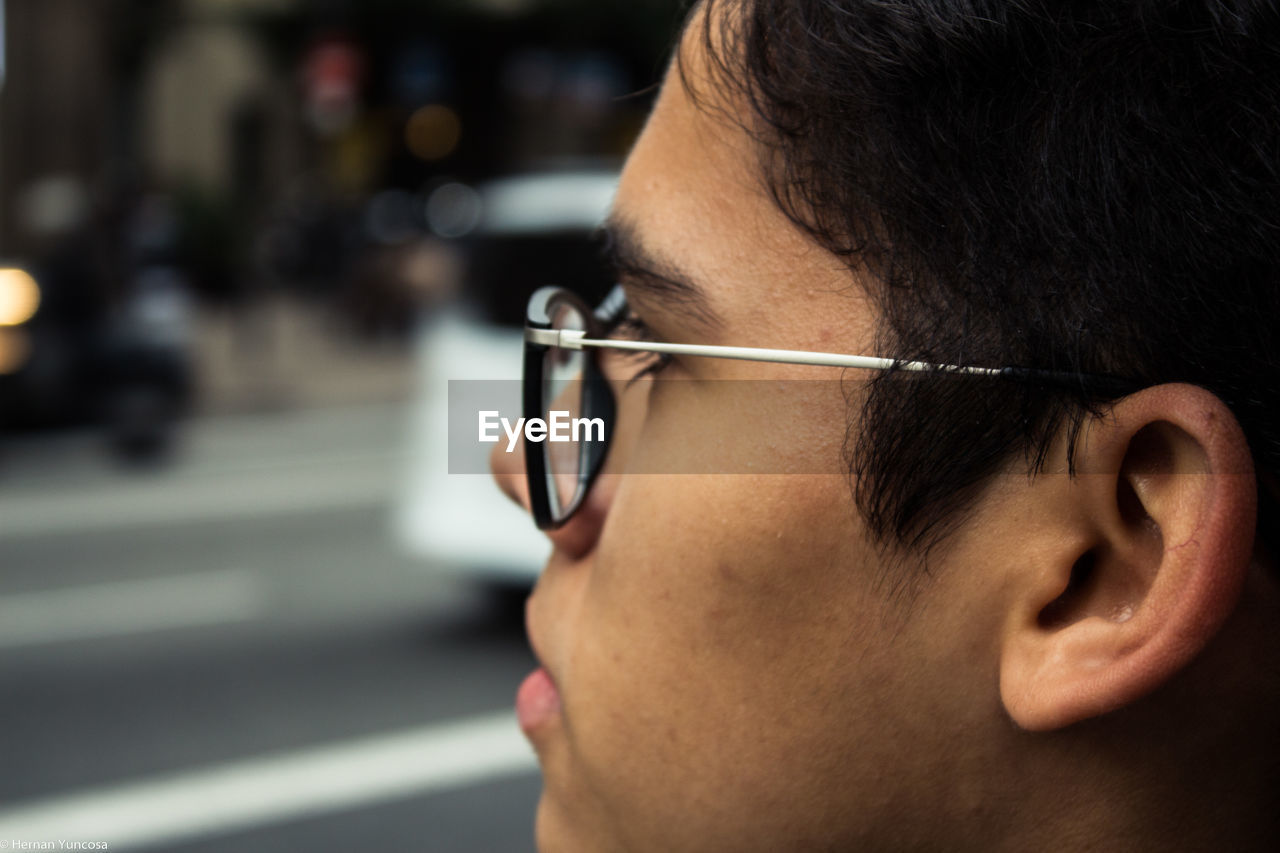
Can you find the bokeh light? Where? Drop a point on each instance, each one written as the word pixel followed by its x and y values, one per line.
pixel 432 132
pixel 19 297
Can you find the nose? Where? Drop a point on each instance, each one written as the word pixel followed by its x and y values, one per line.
pixel 576 537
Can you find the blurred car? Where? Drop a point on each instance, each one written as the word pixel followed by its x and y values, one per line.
pixel 515 234
pixel 68 359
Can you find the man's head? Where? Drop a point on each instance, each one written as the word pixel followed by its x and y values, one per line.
pixel 1030 622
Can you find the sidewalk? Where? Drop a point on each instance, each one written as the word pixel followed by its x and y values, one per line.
pixel 286 353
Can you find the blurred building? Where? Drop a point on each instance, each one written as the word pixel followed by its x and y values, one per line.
pixel 251 150
pixel 55 107
pixel 250 112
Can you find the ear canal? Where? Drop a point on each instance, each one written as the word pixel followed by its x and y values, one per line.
pixel 1129 504
pixel 1066 607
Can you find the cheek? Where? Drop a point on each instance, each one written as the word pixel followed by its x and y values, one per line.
pixel 712 656
pixel 724 673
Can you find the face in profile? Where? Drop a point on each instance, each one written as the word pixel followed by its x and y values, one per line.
pixel 729 659
pixel 718 668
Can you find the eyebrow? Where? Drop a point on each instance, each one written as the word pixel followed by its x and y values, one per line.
pixel 655 277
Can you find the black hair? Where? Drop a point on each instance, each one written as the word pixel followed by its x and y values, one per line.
pixel 1087 187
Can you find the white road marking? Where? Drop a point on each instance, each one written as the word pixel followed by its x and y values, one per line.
pixel 120 608
pixel 261 791
pixel 159 502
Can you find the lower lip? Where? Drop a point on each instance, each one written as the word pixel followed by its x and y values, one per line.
pixel 537 701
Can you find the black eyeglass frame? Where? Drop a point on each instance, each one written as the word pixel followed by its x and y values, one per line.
pixel 597 396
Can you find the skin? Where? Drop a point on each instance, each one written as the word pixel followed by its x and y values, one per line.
pixel 735 669
pixel 702 676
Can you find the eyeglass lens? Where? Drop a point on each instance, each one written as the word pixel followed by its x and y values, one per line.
pixel 562 402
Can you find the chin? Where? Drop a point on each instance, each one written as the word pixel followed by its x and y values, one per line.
pixel 549 828
pixel 570 829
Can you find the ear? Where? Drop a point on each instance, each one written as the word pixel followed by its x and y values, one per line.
pixel 1141 557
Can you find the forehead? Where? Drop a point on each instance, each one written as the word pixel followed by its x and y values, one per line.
pixel 693 192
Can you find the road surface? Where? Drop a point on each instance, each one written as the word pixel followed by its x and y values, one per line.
pixel 227 651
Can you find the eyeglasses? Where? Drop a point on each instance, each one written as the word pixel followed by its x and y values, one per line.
pixel 565 386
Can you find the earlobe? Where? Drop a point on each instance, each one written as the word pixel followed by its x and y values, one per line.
pixel 1148 547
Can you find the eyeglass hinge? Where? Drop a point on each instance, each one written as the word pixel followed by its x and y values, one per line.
pixel 571 338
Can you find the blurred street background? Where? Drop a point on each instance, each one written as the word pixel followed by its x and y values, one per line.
pixel 244 246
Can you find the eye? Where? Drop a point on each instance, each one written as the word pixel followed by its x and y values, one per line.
pixel 633 328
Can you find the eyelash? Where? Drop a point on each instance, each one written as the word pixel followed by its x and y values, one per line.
pixel 632 327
